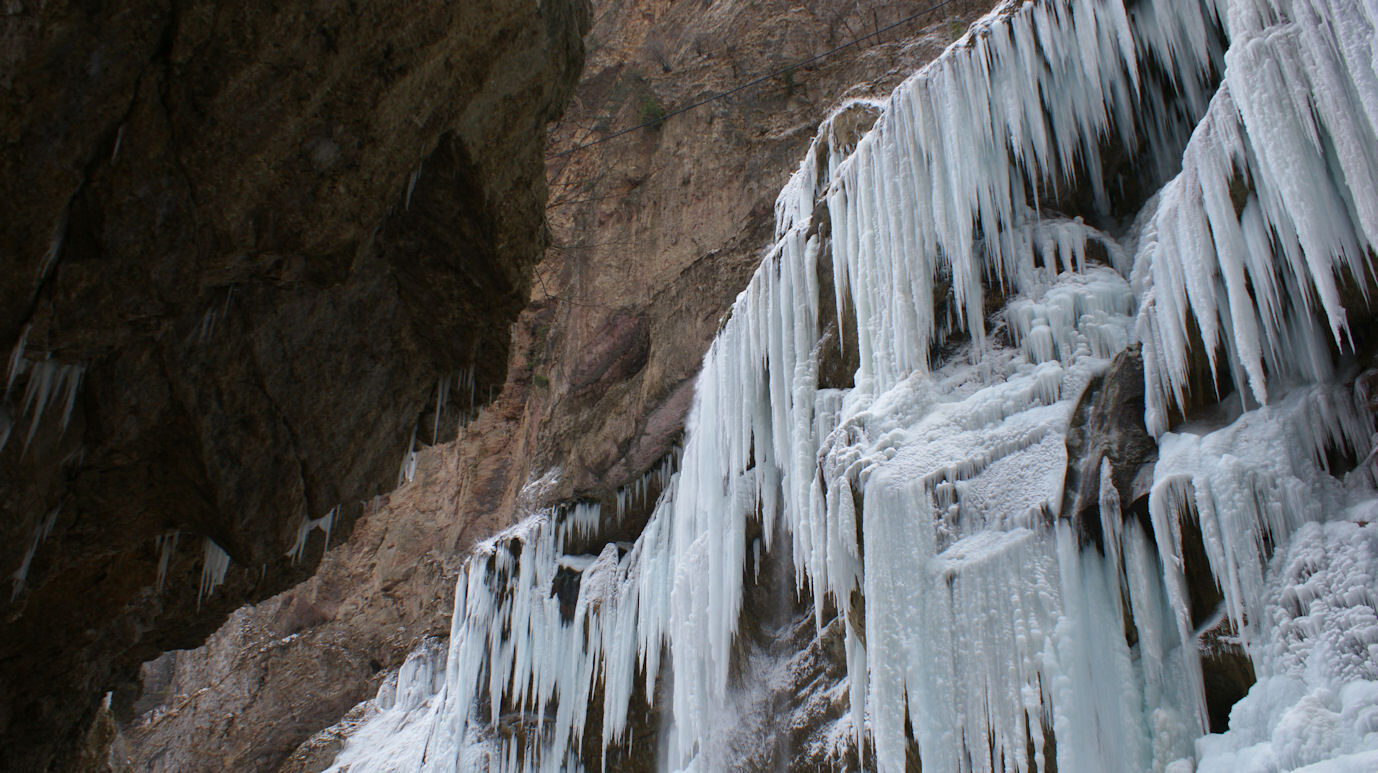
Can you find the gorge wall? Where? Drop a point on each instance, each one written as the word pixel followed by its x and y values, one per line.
pixel 653 236
pixel 1040 437
pixel 247 250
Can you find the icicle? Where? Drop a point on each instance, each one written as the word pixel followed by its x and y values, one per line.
pixel 48 383
pixel 215 562
pixel 409 460
pixel 325 523
pixel 54 247
pixel 412 179
pixel 442 390
pixel 1286 125
pixel 1252 483
pixel 166 545
pixel 16 360
pixel 45 527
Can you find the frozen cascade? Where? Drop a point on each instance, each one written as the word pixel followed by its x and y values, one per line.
pixel 513 652
pixel 931 489
pixel 1293 132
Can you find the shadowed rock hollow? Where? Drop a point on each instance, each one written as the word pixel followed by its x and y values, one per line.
pixel 243 247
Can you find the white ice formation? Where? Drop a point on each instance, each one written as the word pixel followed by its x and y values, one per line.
pixel 991 638
pixel 214 563
pixel 326 523
pixel 166 545
pixel 49 383
pixel 44 528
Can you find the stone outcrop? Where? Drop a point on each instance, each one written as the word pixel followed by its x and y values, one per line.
pixel 243 247
pixel 1108 428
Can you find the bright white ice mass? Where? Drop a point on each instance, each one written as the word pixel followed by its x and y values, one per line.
pixel 923 502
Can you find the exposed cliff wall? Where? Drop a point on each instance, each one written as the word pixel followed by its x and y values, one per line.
pixel 243 245
pixel 654 234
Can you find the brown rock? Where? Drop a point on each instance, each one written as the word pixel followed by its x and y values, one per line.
pixel 1108 425
pixel 666 224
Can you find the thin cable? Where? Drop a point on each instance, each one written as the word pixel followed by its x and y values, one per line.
pixel 713 98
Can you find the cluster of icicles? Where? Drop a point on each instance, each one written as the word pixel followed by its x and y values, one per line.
pixel 50 383
pixel 985 624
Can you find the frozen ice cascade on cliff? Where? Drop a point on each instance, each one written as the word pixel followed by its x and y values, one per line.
pixel 923 504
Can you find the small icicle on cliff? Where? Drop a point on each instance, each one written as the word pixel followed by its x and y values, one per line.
pixel 1012 591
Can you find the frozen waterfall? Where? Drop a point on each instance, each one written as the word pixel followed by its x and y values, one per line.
pixel 922 505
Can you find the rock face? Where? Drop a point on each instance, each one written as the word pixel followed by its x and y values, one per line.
pixel 656 232
pixel 262 682
pixel 243 247
pixel 1108 429
pixel 653 235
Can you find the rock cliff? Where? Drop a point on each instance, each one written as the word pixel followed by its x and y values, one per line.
pixel 654 234
pixel 247 250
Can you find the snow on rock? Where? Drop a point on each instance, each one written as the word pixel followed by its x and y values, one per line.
pixel 1315 706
